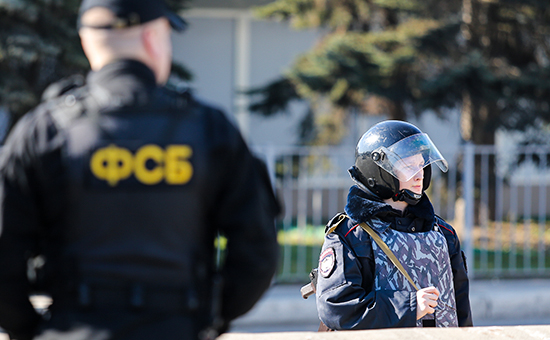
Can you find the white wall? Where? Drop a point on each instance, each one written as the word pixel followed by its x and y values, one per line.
pixel 227 49
pixel 275 47
pixel 206 48
pixel 213 48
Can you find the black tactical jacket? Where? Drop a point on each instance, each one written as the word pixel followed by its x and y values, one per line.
pixel 123 184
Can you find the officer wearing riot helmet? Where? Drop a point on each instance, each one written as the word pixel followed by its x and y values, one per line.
pixel 122 187
pixel 358 286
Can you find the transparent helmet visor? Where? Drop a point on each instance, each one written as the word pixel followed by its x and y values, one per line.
pixel 406 158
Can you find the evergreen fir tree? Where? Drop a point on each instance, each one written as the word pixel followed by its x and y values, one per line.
pixel 39 45
pixel 490 58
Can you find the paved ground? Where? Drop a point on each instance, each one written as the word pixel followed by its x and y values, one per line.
pixel 505 302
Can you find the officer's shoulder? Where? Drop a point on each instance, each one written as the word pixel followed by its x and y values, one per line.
pixel 445 227
pixel 337 224
pixel 62 87
pixel 68 105
pixel 182 91
pixel 211 109
pixel 53 98
pixel 220 125
pixel 33 127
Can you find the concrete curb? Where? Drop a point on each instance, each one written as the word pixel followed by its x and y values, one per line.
pixel 486 333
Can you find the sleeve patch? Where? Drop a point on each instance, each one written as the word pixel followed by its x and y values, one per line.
pixel 327 262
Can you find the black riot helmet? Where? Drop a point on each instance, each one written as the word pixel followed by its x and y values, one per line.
pixel 391 151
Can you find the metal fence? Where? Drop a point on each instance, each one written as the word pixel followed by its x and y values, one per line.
pixel 497 202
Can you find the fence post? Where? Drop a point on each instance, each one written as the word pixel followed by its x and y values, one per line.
pixel 469 201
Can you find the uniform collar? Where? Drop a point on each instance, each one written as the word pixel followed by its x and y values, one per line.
pixel 129 81
pixel 424 209
pixel 363 207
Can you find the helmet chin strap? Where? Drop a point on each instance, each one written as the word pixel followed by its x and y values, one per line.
pixel 407 196
pixel 365 189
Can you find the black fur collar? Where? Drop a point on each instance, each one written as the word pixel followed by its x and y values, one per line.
pixel 363 206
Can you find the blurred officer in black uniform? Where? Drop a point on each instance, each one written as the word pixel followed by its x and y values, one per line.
pixel 122 186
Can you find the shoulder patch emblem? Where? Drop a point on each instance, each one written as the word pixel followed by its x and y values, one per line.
pixel 327 261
